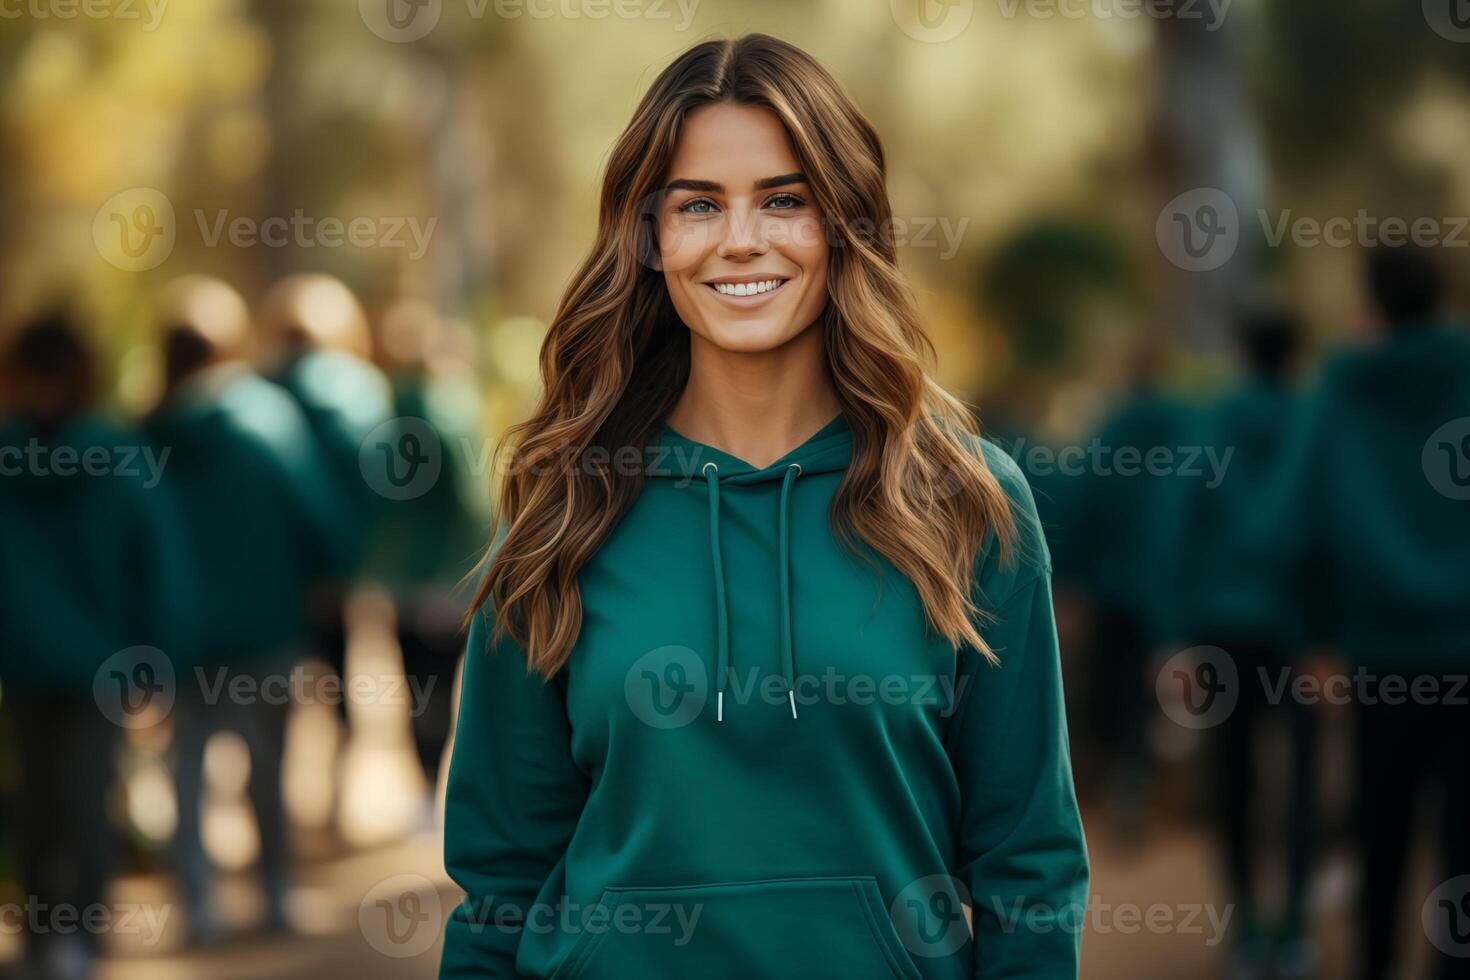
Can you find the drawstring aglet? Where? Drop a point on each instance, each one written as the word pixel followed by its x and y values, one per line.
pixel 720 706
pixel 792 696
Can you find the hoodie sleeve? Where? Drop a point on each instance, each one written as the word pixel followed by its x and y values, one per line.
pixel 1021 850
pixel 514 798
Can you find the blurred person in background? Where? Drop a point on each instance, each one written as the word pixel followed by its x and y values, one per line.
pixel 313 341
pixel 1225 597
pixel 92 564
pixel 1120 542
pixel 263 525
pixel 1372 533
pixel 423 543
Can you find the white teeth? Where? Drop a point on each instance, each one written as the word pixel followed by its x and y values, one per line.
pixel 746 288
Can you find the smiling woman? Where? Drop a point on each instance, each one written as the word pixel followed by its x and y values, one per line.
pixel 741 242
pixel 640 738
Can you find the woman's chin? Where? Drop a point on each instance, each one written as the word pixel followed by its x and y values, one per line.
pixel 750 336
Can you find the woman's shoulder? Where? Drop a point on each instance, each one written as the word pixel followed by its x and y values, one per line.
pixel 1000 571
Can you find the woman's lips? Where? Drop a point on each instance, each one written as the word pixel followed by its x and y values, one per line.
pixel 751 299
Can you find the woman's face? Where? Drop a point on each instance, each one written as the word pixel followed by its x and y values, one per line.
pixel 739 238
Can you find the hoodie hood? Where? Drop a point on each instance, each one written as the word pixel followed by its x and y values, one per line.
pixel 715 472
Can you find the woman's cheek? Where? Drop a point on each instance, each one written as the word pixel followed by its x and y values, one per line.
pixel 683 245
pixel 804 243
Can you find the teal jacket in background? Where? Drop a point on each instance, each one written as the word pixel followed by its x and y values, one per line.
pixel 1222 584
pixel 92 558
pixel 423 545
pixel 262 516
pixel 1370 526
pixel 760 752
pixel 1056 503
pixel 1061 500
pixel 1122 519
pixel 345 399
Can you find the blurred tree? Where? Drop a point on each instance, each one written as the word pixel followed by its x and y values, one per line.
pixel 1038 281
pixel 1329 75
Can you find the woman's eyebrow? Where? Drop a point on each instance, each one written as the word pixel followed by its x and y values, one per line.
pixel 783 180
pixel 765 183
pixel 687 184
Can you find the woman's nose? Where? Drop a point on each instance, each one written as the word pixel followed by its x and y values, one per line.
pixel 744 235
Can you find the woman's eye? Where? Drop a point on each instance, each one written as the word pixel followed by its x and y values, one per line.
pixel 700 205
pixel 785 202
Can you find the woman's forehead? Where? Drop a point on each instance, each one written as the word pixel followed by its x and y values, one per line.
pixel 734 145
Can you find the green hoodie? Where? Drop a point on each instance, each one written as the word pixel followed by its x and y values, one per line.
pixel 262 518
pixel 345 400
pixel 817 809
pixel 92 558
pixel 1222 581
pixel 1370 522
pixel 1121 522
pixel 427 540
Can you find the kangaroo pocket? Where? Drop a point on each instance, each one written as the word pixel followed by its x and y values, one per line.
pixel 812 928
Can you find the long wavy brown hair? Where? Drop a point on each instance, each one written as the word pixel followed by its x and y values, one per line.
pixel 616 358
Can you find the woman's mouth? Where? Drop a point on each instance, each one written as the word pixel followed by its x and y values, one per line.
pixel 751 293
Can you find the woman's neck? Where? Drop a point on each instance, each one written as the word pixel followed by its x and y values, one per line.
pixel 756 406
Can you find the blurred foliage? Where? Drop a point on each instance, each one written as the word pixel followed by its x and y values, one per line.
pixel 1331 75
pixel 1040 280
